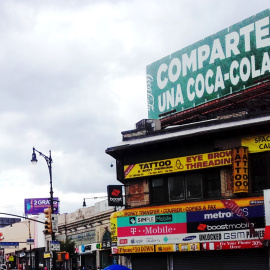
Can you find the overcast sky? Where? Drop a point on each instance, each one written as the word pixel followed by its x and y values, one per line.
pixel 73 76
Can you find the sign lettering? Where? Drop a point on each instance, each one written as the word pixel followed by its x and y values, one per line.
pixel 215 67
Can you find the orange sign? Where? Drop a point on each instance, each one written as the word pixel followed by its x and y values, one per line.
pixel 186 207
pixel 180 164
pixel 240 169
pixel 165 248
pixel 136 249
pixel 189 247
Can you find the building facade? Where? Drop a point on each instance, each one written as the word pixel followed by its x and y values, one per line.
pixel 196 173
pixel 88 228
pixel 194 195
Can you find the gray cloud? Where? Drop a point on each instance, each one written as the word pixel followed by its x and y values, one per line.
pixel 72 77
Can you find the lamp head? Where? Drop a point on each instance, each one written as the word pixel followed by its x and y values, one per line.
pixel 34 157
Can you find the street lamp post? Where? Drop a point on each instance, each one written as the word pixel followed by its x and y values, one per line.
pixel 49 163
pixel 30 238
pixel 84 203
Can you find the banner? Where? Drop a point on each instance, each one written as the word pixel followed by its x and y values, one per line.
pixel 179 164
pixel 225 63
pixel 259 143
pixel 227 220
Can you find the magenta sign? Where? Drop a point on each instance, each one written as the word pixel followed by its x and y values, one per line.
pixel 37 206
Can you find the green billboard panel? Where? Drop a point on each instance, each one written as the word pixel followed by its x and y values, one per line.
pixel 227 62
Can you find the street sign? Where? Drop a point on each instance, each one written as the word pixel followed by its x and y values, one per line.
pixel 54 223
pixel 9 244
pixel 30 241
pixel 55 246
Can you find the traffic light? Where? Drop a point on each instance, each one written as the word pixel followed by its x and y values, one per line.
pixel 62 256
pixel 48 220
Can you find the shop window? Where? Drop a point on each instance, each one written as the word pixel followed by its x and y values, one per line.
pixel 259 171
pixel 212 184
pixel 186 186
pixel 158 190
pixel 193 186
pixel 176 186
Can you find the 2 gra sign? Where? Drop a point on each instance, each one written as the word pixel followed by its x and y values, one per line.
pixel 222 64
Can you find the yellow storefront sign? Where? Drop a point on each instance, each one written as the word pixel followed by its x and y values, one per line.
pixel 189 247
pixel 187 163
pixel 47 255
pixel 113 229
pixel 240 169
pixel 185 207
pixel 259 143
pixel 136 249
pixel 165 248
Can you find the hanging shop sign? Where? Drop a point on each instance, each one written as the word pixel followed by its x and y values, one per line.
pixel 220 65
pixel 180 164
pixel 240 169
pixel 115 195
pixel 189 223
pixel 259 143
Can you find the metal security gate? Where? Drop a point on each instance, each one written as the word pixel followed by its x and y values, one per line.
pixel 248 259
pixel 149 261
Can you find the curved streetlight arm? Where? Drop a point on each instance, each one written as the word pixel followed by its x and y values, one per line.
pixel 84 203
pixel 48 159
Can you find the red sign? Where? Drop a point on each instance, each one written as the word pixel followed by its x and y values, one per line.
pixel 176 228
pixel 232 245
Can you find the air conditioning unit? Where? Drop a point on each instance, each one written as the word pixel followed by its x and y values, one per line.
pixel 149 125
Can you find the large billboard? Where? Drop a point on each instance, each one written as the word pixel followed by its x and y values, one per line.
pixel 36 206
pixel 190 223
pixel 227 62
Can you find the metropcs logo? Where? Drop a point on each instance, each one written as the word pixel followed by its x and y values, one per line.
pixel 224 215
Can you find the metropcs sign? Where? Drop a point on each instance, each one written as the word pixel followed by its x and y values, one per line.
pixel 222 64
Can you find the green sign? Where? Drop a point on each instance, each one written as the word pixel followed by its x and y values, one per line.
pixel 225 63
pixel 152 219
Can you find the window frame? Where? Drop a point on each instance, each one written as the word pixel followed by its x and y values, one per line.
pixel 206 176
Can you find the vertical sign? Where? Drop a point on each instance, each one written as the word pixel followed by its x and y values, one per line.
pixel 266 194
pixel 240 169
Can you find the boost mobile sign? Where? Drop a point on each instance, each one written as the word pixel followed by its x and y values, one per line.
pixel 222 64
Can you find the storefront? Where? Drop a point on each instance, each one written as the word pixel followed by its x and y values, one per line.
pixel 195 172
pixel 87 255
pixel 174 234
